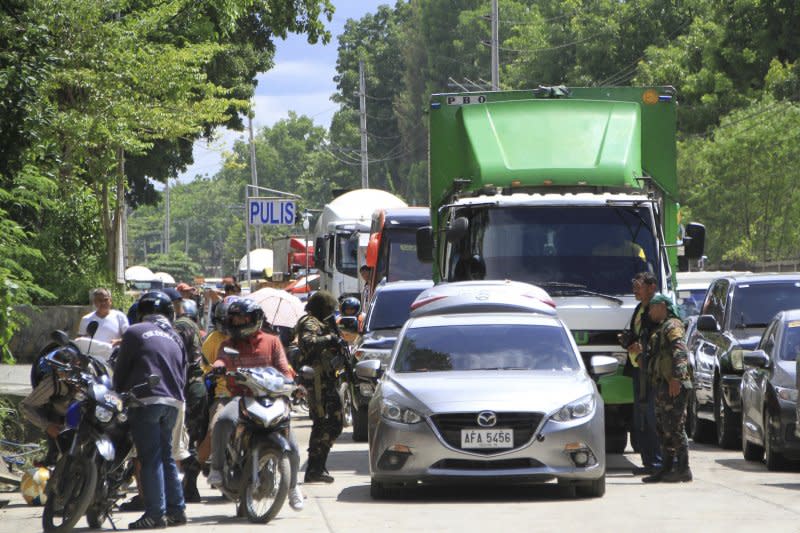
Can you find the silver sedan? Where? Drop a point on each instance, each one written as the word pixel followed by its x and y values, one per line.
pixel 486 397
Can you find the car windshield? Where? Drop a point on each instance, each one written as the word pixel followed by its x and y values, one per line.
pixel 691 301
pixel 403 261
pixel 755 304
pixel 485 347
pixel 566 250
pixel 391 308
pixel 790 345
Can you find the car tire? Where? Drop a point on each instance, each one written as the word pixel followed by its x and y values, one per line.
pixel 360 433
pixel 726 421
pixel 750 450
pixel 616 441
pixel 773 459
pixel 595 488
pixel 701 431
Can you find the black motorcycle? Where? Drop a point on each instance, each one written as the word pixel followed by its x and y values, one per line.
pixel 93 471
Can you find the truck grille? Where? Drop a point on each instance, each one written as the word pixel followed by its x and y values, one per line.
pixel 450 426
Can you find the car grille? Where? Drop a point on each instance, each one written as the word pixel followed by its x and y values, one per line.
pixel 468 464
pixel 450 425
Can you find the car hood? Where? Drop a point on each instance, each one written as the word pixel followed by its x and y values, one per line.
pixel 785 374
pixel 605 314
pixel 747 338
pixel 495 390
pixel 380 338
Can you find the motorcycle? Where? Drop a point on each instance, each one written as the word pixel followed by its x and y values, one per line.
pixel 92 473
pixel 257 471
pixel 344 365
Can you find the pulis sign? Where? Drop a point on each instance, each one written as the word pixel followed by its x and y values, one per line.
pixel 271 212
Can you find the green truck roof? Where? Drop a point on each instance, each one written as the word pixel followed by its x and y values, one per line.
pixel 601 137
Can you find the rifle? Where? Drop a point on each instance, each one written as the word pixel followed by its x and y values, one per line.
pixel 341 361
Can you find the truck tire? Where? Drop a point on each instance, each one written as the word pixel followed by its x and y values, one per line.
pixel 616 441
pixel 699 430
pixel 727 422
pixel 360 424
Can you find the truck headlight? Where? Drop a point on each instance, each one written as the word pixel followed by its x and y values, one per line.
pixel 580 408
pixel 394 412
pixel 786 394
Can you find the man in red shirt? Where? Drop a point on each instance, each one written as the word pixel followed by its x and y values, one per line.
pixel 257 349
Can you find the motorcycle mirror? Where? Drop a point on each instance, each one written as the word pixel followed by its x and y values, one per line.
pixel 231 351
pixel 91 328
pixel 349 324
pixel 307 372
pixel 59 337
pixel 153 380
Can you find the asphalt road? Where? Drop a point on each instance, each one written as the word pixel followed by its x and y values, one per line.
pixel 728 495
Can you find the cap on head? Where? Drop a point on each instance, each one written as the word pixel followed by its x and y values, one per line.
pixel 183 287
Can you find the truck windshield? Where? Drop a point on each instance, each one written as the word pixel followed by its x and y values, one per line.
pixel 403 263
pixel 347 253
pixel 565 249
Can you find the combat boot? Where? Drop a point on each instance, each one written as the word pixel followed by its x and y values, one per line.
pixel 682 472
pixel 666 467
pixel 315 471
pixel 191 471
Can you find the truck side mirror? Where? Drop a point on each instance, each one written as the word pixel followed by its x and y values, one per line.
pixel 319 253
pixel 457 230
pixel 694 243
pixel 425 244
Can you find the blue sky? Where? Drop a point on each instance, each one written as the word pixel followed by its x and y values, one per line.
pixel 301 81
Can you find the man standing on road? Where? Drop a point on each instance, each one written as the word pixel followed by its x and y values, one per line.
pixel 317 342
pixel 111 323
pixel 671 380
pixel 644 432
pixel 152 347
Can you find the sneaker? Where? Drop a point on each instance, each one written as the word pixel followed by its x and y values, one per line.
pixel 177 518
pixel 214 478
pixel 134 504
pixel 296 499
pixel 148 522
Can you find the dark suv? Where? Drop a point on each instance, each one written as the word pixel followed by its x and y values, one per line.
pixel 735 312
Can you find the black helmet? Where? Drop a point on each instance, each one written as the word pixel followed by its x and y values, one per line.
pixel 220 310
pixel 321 305
pixel 350 306
pixel 243 318
pixel 189 308
pixel 155 303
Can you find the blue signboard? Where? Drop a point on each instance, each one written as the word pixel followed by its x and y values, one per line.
pixel 271 212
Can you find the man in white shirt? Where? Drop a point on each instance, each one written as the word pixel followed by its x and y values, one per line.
pixel 111 323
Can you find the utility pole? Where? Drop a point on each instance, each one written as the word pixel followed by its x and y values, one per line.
pixel 362 104
pixel 253 170
pixel 166 219
pixel 495 47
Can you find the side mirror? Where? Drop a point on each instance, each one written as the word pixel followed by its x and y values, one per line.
pixel 694 242
pixel 707 323
pixel 307 373
pixel 756 358
pixel 603 365
pixel 319 253
pixel 457 230
pixel 153 380
pixel 59 337
pixel 425 244
pixel 91 328
pixel 349 324
pixel 369 369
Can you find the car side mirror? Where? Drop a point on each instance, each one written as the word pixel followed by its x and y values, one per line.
pixel 425 244
pixel 369 369
pixel 603 365
pixel 694 241
pixel 457 230
pixel 756 359
pixel 707 323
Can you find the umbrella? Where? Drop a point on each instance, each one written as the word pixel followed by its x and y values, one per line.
pixel 280 307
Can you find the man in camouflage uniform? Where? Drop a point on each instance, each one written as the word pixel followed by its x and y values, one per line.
pixel 671 379
pixel 317 342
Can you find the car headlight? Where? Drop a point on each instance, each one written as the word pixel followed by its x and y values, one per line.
pixel 786 394
pixel 737 359
pixel 103 414
pixel 396 413
pixel 580 408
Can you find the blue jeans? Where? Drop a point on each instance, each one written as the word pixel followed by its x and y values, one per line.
pixel 151 429
pixel 644 422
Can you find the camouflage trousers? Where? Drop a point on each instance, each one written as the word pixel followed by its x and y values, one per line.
pixel 325 409
pixel 671 419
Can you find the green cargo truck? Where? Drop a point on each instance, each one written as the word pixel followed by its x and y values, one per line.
pixel 572 189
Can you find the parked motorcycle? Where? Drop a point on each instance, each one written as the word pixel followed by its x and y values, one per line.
pixel 257 472
pixel 92 472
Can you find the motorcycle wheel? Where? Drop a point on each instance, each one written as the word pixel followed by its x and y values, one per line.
pixel 261 503
pixel 95 518
pixel 83 476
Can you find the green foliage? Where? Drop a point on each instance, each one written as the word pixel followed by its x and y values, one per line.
pixel 176 263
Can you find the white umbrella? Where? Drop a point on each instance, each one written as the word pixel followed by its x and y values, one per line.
pixel 280 307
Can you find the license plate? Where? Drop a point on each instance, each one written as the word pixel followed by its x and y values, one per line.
pixel 487 438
